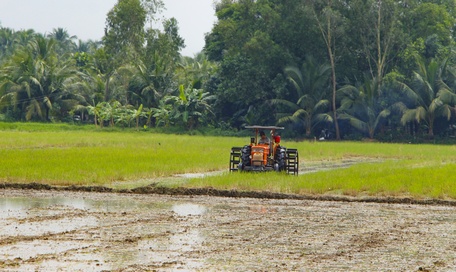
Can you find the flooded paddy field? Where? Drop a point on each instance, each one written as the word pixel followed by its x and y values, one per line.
pixel 49 230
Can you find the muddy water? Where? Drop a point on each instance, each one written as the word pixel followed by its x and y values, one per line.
pixel 76 231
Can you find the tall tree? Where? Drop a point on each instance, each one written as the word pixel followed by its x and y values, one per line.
pixel 124 37
pixel 427 19
pixel 153 76
pixel 331 24
pixel 124 31
pixel 152 7
pixel 377 29
pixel 246 43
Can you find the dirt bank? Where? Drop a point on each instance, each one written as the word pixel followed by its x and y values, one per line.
pixel 81 229
pixel 183 191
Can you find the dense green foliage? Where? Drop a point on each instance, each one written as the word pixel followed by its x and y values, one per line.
pixel 381 69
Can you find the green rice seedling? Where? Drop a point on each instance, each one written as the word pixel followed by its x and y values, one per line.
pixel 65 155
pixel 81 157
pixel 397 174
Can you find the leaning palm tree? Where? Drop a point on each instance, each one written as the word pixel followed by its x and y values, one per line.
pixel 358 106
pixel 308 107
pixel 431 97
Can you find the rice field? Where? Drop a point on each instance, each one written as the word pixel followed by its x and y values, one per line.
pixel 76 155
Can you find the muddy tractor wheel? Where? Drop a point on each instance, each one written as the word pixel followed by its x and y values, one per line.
pixel 292 161
pixel 281 160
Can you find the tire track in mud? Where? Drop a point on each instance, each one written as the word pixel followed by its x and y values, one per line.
pixel 106 236
pixel 101 216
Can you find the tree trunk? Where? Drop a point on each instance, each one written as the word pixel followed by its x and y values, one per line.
pixel 380 59
pixel 330 44
pixel 334 88
pixel 308 126
pixel 47 114
pixel 106 94
pixel 431 129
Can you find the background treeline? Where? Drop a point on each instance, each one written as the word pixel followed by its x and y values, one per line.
pixel 379 69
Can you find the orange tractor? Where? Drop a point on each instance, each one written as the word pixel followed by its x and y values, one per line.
pixel 260 156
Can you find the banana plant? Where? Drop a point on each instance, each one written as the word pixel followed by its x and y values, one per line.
pixel 192 105
pixel 137 113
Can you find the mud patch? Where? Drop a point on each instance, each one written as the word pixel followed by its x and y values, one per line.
pixel 318 166
pixel 90 231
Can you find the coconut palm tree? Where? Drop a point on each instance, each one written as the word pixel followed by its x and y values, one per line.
pixel 309 106
pixel 35 81
pixel 196 71
pixel 430 96
pixel 64 42
pixel 152 79
pixel 359 106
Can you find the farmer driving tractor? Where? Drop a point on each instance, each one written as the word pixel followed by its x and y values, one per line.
pixel 264 139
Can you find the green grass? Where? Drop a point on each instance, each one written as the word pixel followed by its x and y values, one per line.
pixel 82 155
pixel 95 157
pixel 398 170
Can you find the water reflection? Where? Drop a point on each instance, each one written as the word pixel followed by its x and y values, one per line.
pixel 188 209
pixel 20 204
pixel 24 203
pixel 100 223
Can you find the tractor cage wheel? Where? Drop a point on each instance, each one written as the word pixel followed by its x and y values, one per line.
pixel 235 158
pixel 292 161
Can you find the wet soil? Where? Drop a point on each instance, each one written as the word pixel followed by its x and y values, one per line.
pixel 43 228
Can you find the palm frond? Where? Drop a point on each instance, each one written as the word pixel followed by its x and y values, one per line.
pixel 381 117
pixel 435 104
pixel 301 114
pixel 408 115
pixel 447 96
pixel 322 105
pixel 444 111
pixel 420 114
pixel 288 104
pixel 289 120
pixel 355 122
pixel 321 118
pixel 294 75
pixel 409 93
